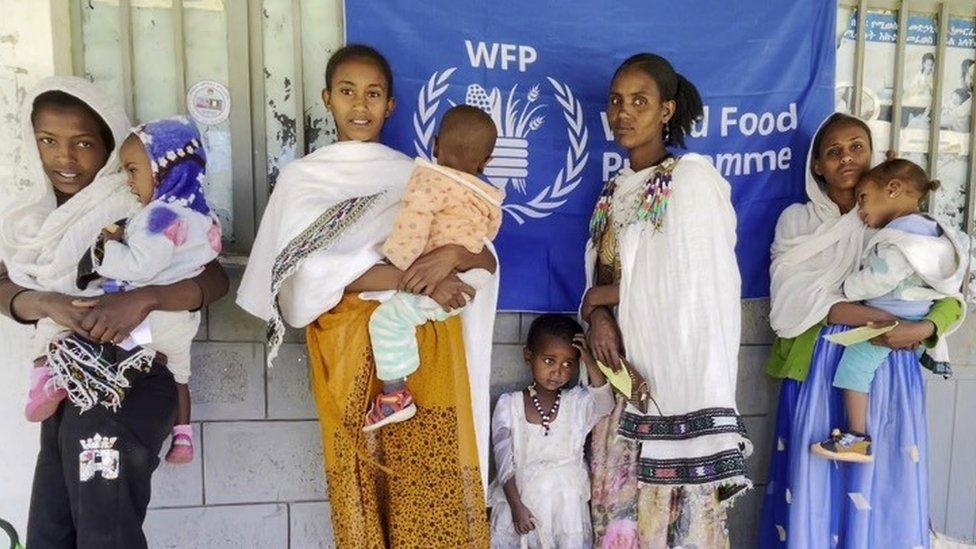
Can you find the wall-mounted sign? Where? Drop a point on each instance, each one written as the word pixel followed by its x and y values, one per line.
pixel 208 102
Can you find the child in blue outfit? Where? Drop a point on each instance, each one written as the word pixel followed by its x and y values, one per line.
pixel 909 264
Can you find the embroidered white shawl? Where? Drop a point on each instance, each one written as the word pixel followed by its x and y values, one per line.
pixel 308 187
pixel 679 311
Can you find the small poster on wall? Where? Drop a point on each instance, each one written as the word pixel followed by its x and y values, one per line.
pixel 208 102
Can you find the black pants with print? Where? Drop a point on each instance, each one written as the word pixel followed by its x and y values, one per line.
pixel 93 476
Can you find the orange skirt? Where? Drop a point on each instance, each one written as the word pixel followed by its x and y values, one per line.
pixel 432 495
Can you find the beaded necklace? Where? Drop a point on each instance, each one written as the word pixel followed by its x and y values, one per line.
pixel 546 417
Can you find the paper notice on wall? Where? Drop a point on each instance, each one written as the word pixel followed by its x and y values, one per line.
pixel 949 204
pixel 208 102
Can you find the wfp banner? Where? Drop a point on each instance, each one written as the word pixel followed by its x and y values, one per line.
pixel 542 71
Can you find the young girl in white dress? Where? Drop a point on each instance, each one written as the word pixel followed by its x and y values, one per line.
pixel 540 497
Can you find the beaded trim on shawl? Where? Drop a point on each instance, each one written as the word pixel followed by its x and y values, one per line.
pixel 707 421
pixel 653 201
pixel 318 236
pixel 601 211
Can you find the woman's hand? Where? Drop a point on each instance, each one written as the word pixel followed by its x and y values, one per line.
pixel 906 335
pixel 523 519
pixel 65 310
pixel 587 307
pixel 112 317
pixel 430 269
pixel 452 294
pixel 605 340
pixel 599 296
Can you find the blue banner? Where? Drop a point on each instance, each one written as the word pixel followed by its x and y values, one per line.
pixel 962 33
pixel 543 70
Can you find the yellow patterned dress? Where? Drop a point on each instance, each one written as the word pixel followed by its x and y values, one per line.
pixel 432 494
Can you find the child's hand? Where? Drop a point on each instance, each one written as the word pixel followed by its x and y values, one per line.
pixel 452 294
pixel 113 232
pixel 579 341
pixel 523 519
pixel 597 379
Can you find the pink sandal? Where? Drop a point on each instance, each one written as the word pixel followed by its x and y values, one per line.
pixel 400 407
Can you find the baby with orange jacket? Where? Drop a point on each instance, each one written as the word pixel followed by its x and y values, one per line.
pixel 444 203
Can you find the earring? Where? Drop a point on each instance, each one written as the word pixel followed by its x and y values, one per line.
pixel 667 133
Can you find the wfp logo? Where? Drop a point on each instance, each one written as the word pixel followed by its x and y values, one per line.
pixel 510 159
pixel 519 112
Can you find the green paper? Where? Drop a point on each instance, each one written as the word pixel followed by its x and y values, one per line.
pixel 859 335
pixel 619 380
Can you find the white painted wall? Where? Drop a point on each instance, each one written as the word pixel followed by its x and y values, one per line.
pixel 26 55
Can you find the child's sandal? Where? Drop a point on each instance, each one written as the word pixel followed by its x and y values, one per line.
pixel 180 450
pixel 400 405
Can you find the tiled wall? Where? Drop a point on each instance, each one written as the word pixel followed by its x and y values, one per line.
pixel 259 481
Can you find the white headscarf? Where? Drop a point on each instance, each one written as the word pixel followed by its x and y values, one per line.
pixel 40 242
pixel 815 249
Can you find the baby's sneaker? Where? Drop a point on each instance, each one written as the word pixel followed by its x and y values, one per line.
pixel 44 396
pixel 852 447
pixel 181 449
pixel 390 408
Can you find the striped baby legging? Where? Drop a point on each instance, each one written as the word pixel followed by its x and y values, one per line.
pixel 393 332
pixel 393 327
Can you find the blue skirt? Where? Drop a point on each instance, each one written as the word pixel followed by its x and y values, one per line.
pixel 812 502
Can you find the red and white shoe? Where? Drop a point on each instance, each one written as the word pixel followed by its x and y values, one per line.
pixel 44 396
pixel 390 408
